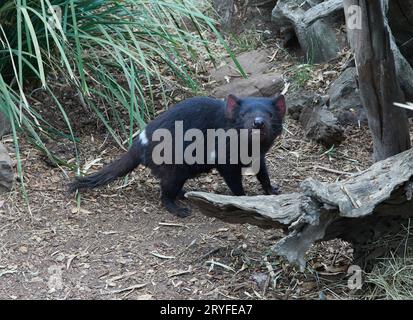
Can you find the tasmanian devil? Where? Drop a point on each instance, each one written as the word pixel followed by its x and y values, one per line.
pixel 199 115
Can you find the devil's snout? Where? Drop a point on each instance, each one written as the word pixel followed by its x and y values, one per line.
pixel 258 123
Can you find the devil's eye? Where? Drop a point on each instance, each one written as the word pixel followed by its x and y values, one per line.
pixel 242 114
pixel 270 114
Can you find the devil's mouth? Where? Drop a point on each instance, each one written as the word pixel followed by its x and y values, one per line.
pixel 263 134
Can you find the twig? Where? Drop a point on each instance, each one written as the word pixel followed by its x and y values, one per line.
pixel 210 253
pixel 7 272
pixel 355 204
pixel 158 255
pixel 168 224
pixel 333 171
pixel 133 136
pixel 116 278
pixel 286 87
pixel 69 261
pixel 187 247
pixel 271 271
pixel 136 286
pixel 272 58
pixel 180 273
pixel 288 131
pixel 227 296
pixel 216 263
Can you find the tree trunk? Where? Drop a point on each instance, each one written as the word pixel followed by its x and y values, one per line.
pixel 378 83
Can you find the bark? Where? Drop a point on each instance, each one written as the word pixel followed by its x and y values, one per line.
pixel 378 83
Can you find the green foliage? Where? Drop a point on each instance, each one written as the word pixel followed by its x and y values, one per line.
pixel 301 74
pixel 247 41
pixel 330 153
pixel 111 52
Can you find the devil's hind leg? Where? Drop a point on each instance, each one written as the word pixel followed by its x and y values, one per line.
pixel 264 179
pixel 171 188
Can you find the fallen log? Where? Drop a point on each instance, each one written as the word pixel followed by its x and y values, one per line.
pixel 315 34
pixel 368 209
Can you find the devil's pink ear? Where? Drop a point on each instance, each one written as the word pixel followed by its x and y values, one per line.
pixel 232 103
pixel 279 103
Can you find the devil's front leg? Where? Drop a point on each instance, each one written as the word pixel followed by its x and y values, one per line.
pixel 264 178
pixel 233 178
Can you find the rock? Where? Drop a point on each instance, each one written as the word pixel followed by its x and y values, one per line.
pixel 297 101
pixel 6 170
pixel 345 102
pixel 322 126
pixel 315 24
pixel 261 85
pixel 322 43
pixel 4 125
pixel 260 82
pixel 253 62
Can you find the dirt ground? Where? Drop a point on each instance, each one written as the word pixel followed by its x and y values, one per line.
pixel 121 243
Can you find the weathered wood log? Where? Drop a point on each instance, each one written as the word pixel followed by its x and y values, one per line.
pixel 378 82
pixel 367 207
pixel 316 36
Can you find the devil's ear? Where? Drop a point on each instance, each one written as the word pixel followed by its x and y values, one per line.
pixel 279 103
pixel 232 103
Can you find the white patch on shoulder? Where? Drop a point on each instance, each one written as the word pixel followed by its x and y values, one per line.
pixel 142 138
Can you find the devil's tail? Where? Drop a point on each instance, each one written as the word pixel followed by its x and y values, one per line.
pixel 118 168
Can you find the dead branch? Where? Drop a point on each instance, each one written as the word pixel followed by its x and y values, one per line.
pixel 362 209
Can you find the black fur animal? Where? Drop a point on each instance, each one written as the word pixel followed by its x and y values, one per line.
pixel 265 114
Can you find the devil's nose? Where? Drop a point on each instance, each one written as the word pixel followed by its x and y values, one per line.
pixel 258 122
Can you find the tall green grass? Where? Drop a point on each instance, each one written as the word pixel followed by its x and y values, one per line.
pixel 111 52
